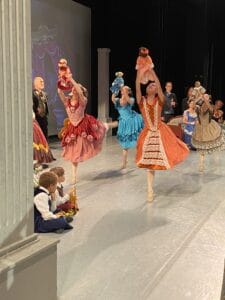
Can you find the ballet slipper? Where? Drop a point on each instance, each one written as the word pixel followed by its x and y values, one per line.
pixel 201 168
pixel 73 181
pixel 150 196
pixel 124 165
pixel 123 170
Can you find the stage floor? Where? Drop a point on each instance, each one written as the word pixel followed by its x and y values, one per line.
pixel 124 248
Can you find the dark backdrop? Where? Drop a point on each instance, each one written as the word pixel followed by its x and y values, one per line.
pixel 185 39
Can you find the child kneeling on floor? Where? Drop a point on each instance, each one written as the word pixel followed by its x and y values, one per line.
pixel 44 219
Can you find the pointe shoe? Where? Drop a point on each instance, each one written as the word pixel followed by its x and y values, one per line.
pixel 150 197
pixel 123 171
pixel 124 165
pixel 73 181
pixel 201 168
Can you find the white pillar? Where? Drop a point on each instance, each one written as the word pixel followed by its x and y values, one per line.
pixel 22 253
pixel 103 84
pixel 16 207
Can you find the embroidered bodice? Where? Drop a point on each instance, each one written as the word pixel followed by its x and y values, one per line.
pixel 151 113
pixel 125 111
pixel 75 113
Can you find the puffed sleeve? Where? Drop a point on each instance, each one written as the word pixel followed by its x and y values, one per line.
pixel 132 100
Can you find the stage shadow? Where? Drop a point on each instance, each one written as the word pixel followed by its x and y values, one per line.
pixel 114 228
pixel 112 173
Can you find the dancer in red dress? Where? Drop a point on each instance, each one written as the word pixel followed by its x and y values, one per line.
pixel 83 135
pixel 157 147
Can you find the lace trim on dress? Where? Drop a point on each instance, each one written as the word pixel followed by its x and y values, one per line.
pixel 153 150
pixel 211 146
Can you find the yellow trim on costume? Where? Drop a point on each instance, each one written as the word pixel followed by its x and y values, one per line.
pixel 40 147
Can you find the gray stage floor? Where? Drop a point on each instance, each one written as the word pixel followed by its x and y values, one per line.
pixel 123 248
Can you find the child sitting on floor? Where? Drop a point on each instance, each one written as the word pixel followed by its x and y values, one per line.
pixel 44 219
pixel 63 201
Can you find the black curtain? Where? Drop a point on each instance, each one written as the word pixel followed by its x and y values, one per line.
pixel 185 39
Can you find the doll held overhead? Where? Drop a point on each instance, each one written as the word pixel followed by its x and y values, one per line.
pixel 64 75
pixel 117 84
pixel 145 64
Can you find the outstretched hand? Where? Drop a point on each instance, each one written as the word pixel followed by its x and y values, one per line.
pixel 141 71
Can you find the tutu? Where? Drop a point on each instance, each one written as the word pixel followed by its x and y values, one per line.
pixel 129 127
pixel 82 141
pixel 82 135
pixel 208 135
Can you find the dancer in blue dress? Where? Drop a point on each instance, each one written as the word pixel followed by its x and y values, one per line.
pixel 130 122
pixel 189 120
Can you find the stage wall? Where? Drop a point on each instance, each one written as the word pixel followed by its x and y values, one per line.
pixel 60 29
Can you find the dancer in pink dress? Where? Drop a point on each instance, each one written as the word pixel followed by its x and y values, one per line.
pixel 83 135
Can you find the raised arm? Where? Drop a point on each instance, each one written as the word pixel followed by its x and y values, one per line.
pixel 159 88
pixel 207 103
pixel 221 117
pixel 208 106
pixel 80 92
pixel 138 86
pixel 113 98
pixel 77 87
pixel 62 96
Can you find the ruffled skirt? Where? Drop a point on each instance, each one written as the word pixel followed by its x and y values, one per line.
pixel 208 138
pixel 83 141
pixel 160 149
pixel 129 129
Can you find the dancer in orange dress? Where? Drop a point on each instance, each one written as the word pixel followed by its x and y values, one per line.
pixel 157 147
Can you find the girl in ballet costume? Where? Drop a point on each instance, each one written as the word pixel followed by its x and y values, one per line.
pixel 130 122
pixel 83 135
pixel 157 146
pixel 208 136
